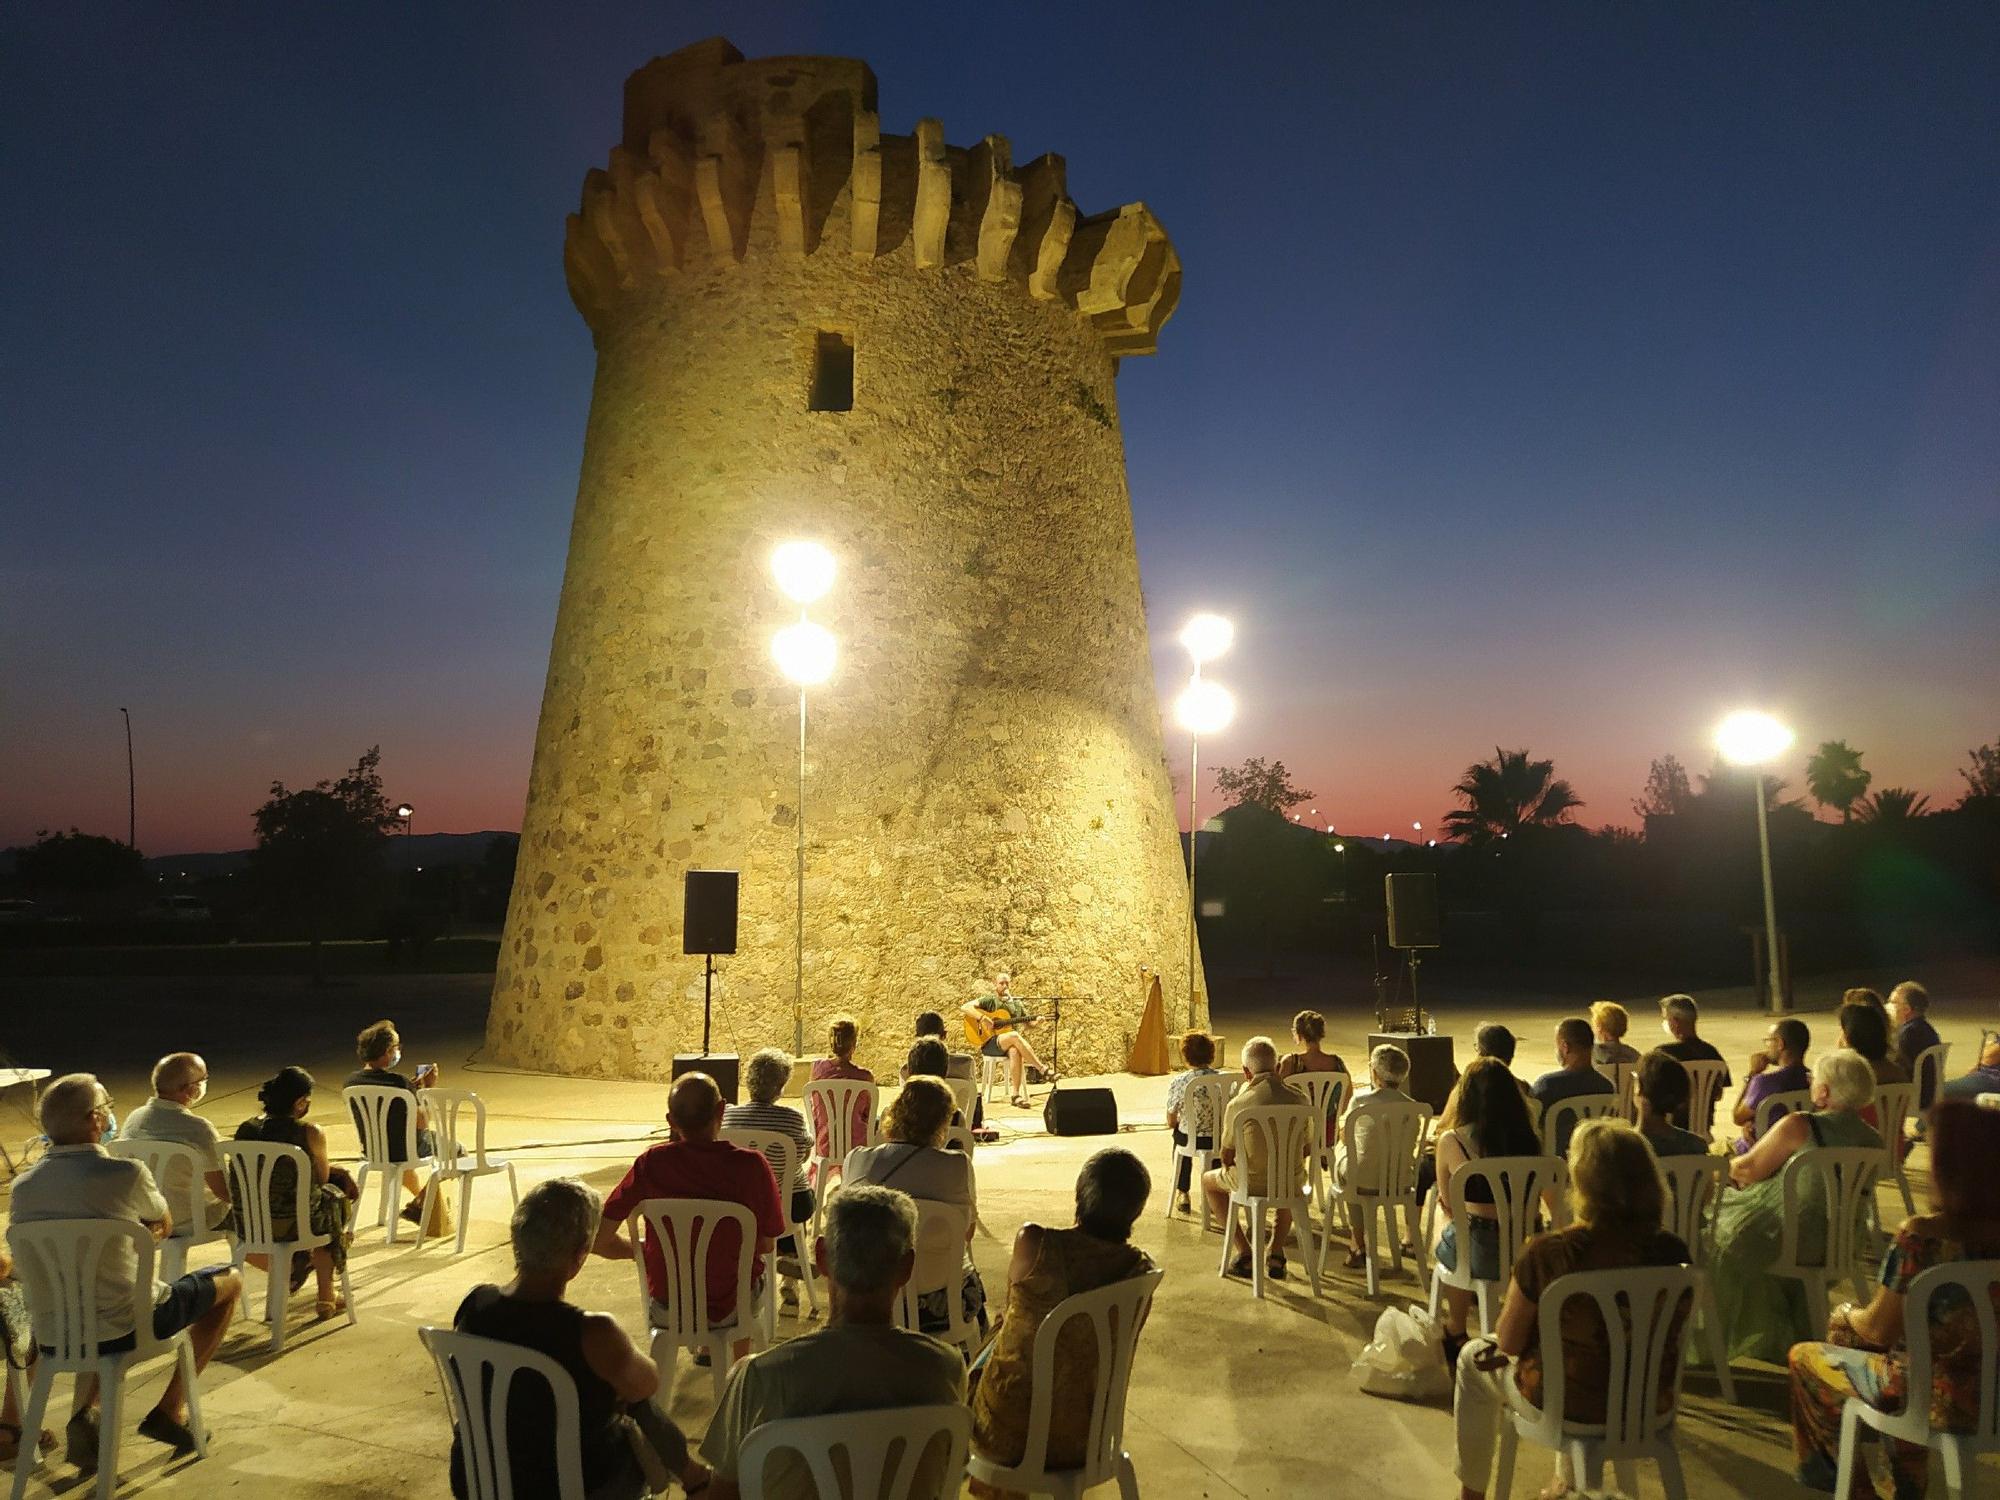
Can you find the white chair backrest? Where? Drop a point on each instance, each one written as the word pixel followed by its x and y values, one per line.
pixel 834 1100
pixel 885 1450
pixel 1704 1085
pixel 1694 1191
pixel 177 1172
pixel 1927 1071
pixel 777 1148
pixel 1115 1314
pixel 477 1375
pixel 1772 1106
pixel 1638 1305
pixel 1397 1154
pixel 1327 1094
pixel 1843 1178
pixel 1517 1184
pixel 1216 1092
pixel 371 1106
pixel 251 1166
pixel 960 1138
pixel 1973 1281
pixel 1893 1102
pixel 57 1261
pixel 451 1112
pixel 1624 1079
pixel 1575 1110
pixel 1281 1134
pixel 684 1229
pixel 964 1093
pixel 942 1229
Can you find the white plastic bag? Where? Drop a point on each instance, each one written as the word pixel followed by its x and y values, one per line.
pixel 1405 1359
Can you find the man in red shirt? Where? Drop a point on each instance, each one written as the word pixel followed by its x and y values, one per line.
pixel 695 1163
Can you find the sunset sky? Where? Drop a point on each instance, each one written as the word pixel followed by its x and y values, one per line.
pixel 1556 376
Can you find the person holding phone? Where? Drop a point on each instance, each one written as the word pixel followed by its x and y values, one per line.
pixel 380 1049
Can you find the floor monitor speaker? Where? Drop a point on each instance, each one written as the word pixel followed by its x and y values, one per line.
pixel 721 1066
pixel 1081 1112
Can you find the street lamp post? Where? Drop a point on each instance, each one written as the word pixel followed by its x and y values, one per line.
pixel 1203 707
pixel 1753 739
pixel 805 654
pixel 131 787
pixel 406 813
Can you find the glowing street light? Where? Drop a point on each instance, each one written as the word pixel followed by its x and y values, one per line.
pixel 1202 708
pixel 1753 739
pixel 805 654
pixel 405 812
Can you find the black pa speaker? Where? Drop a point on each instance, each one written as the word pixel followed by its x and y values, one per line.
pixel 1413 911
pixel 708 912
pixel 721 1066
pixel 1081 1112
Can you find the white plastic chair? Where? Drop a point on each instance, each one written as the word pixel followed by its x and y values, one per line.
pixel 1846 1176
pixel 1704 1088
pixel 369 1105
pixel 1772 1106
pixel 1284 1131
pixel 1624 1079
pixel 1892 1108
pixel 684 1229
pixel 251 1165
pixel 1518 1184
pixel 960 1138
pixel 1694 1192
pixel 1575 1109
pixel 477 1375
pixel 1927 1072
pixel 177 1172
pixel 1393 1185
pixel 1115 1314
pixel 783 1152
pixel 964 1095
pixel 833 1100
pixel 1975 1280
pixel 1327 1095
pixel 1199 1158
pixel 871 1440
pixel 942 1232
pixel 57 1261
pixel 989 1074
pixel 1645 1365
pixel 458 1158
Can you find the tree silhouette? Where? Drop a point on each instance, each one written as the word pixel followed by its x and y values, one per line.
pixel 78 864
pixel 1260 784
pixel 1894 804
pixel 1506 794
pixel 1667 792
pixel 1982 777
pixel 1835 778
pixel 319 849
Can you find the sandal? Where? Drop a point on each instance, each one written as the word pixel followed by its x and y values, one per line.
pixel 1021 1101
pixel 10 1442
pixel 330 1307
pixel 1274 1268
pixel 1355 1260
pixel 1239 1267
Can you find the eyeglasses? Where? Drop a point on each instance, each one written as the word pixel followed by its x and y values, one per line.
pixel 102 1106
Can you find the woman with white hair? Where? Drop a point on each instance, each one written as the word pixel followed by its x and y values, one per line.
pixel 551 1231
pixel 1388 1071
pixel 764 1079
pixel 1764 1315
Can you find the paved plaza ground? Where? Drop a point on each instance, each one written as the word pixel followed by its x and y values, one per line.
pixel 1231 1397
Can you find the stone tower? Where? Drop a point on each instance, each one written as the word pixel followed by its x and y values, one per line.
pixel 907 351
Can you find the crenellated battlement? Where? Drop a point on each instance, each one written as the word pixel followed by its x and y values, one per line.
pixel 724 157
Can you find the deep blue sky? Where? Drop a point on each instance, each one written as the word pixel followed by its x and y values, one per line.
pixel 1554 375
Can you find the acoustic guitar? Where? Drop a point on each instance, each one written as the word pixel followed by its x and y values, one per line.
pixel 983 1026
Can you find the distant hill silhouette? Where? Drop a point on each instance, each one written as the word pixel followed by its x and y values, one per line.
pixel 402 853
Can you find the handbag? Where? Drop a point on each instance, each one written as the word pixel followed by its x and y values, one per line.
pixel 1405 1359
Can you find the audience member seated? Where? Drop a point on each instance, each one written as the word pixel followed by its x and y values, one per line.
pixel 17 1347
pixel 180 1081
pixel 843 1036
pixel 1983 1079
pixel 1864 1028
pixel 79 1179
pixel 1186 1119
pixel 1764 1315
pixel 1573 1075
pixel 695 1162
pixel 1778 1067
pixel 912 1159
pixel 1910 1011
pixel 1864 1353
pixel 1047 1266
pixel 551 1232
pixel 1491 1120
pixel 930 1028
pixel 286 1099
pixel 1862 995
pixel 1388 1071
pixel 861 1361
pixel 1609 1022
pixel 1617 1202
pixel 1489 1039
pixel 1663 1094
pixel 1008 1042
pixel 1679 1016
pixel 1261 1088
pixel 764 1078
pixel 1309 1031
pixel 928 1059
pixel 380 1049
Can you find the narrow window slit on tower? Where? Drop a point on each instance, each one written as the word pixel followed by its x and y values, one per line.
pixel 833 373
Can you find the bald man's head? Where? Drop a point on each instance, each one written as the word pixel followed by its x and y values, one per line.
pixel 694 1107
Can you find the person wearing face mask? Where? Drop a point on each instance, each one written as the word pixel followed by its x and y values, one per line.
pixel 1679 1016
pixel 380 1049
pixel 180 1082
pixel 286 1099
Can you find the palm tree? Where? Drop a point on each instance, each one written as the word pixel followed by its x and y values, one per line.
pixel 1835 778
pixel 1506 794
pixel 1894 804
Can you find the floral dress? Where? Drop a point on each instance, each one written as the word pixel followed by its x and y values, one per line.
pixel 1825 1375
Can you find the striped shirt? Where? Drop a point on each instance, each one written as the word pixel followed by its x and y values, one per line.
pixel 778 1119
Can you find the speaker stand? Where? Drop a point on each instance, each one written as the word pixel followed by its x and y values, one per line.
pixel 1416 1005
pixel 708 996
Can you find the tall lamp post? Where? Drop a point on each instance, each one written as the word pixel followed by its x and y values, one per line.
pixel 406 813
pixel 804 652
pixel 1753 739
pixel 1203 708
pixel 131 787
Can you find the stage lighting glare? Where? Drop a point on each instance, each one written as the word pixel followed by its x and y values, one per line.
pixel 804 653
pixel 1204 708
pixel 804 571
pixel 1206 637
pixel 1750 738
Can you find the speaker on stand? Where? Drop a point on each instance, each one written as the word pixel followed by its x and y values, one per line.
pixel 1413 924
pixel 708 927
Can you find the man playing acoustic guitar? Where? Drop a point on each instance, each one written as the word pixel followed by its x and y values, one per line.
pixel 992 1022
